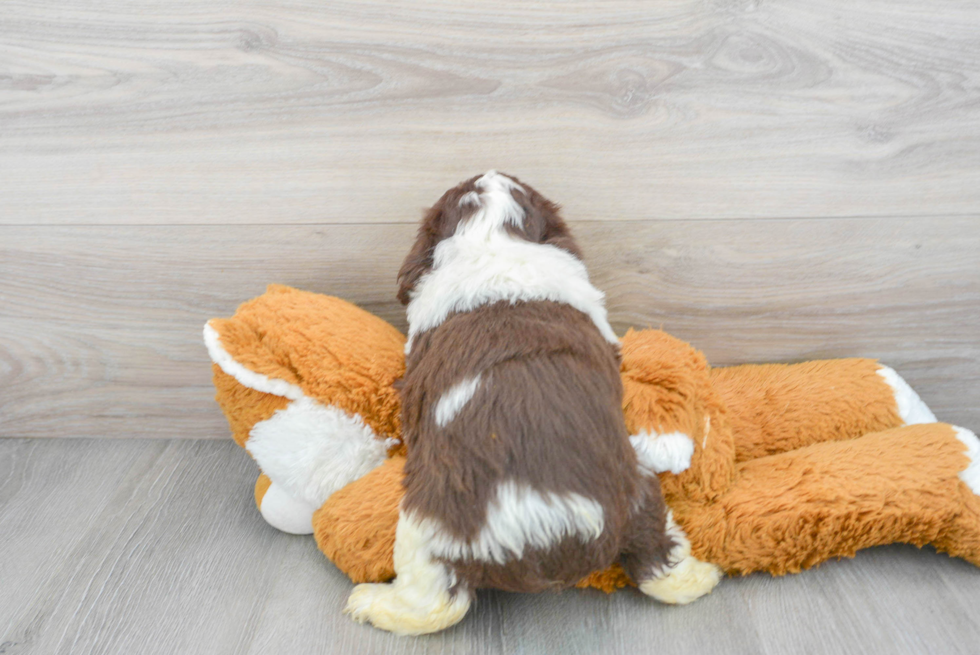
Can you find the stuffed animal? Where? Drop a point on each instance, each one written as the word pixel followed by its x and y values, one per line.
pixel 765 467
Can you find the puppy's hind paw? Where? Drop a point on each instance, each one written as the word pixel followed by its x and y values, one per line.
pixel 683 583
pixel 362 600
pixel 389 607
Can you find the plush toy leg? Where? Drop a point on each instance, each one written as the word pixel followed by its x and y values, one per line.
pixel 355 528
pixel 776 408
pixel 962 539
pixel 791 511
pixel 425 596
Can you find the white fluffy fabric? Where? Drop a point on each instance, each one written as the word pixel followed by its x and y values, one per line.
pixel 250 379
pixel 971 474
pixel 910 407
pixel 313 450
pixel 659 453
pixel 483 264
pixel 518 517
pixel 283 512
pixel 454 400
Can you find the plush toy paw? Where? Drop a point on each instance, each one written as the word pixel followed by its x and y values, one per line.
pixel 683 583
pixel 910 407
pixel 283 512
pixel 970 475
pixel 399 609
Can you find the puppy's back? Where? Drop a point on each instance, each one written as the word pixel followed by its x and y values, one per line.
pixel 520 459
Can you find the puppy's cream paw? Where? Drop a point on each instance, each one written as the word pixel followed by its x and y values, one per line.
pixel 362 599
pixel 390 607
pixel 685 582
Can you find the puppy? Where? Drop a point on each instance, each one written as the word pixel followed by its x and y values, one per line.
pixel 520 473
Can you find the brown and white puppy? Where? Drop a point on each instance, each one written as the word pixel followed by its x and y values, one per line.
pixel 520 473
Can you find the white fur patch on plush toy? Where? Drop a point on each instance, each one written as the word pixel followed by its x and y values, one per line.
pixel 313 450
pixel 910 407
pixel 660 453
pixel 971 474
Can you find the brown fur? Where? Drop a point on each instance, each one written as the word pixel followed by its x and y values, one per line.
pixel 261 487
pixel 547 414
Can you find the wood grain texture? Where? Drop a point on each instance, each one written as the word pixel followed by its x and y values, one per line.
pixel 364 111
pixel 130 547
pixel 155 546
pixel 102 325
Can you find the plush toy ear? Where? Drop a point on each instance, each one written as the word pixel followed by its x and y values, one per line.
pixel 419 259
pixel 299 345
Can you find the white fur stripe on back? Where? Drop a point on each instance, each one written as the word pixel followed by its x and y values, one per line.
pixel 453 400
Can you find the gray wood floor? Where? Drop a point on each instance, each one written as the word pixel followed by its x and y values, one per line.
pixel 154 546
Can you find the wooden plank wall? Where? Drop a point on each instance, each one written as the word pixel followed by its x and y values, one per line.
pixel 773 181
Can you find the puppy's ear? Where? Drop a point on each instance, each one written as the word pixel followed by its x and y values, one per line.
pixel 543 222
pixel 419 259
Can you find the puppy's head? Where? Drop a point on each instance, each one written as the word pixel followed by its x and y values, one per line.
pixel 483 208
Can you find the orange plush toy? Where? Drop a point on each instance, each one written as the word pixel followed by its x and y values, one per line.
pixel 766 468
